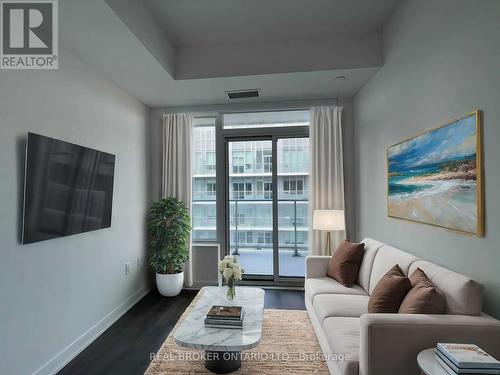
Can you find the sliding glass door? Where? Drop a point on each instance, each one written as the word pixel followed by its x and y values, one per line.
pixel 267 193
pixel 251 205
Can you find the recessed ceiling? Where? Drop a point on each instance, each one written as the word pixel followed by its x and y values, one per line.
pixel 187 52
pixel 195 22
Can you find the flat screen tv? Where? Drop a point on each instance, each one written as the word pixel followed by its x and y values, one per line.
pixel 68 189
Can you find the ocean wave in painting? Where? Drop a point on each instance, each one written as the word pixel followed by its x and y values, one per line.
pixel 432 178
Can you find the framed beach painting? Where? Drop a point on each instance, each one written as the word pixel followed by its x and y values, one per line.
pixel 436 178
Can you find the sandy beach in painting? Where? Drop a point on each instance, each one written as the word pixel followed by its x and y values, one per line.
pixel 447 203
pixel 432 178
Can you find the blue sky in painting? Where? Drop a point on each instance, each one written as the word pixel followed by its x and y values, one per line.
pixel 450 142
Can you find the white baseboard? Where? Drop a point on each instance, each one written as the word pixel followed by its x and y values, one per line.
pixel 62 358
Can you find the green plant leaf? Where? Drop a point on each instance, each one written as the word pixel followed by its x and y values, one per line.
pixel 169 227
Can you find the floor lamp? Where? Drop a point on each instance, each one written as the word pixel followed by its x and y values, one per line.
pixel 328 220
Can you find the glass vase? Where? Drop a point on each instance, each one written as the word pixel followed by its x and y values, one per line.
pixel 231 289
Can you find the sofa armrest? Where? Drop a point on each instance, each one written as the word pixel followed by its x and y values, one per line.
pixel 316 265
pixel 390 343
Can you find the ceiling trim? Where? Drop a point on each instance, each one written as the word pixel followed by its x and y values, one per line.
pixel 137 18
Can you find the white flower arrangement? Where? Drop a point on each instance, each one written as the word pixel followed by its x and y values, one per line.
pixel 232 272
pixel 230 268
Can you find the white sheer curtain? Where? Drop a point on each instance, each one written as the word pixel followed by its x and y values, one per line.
pixel 326 171
pixel 176 181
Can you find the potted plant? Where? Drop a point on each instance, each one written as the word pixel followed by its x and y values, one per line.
pixel 169 227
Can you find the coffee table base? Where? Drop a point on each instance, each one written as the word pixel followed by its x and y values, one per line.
pixel 222 362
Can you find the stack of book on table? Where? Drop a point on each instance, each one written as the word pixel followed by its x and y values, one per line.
pixel 224 317
pixel 466 359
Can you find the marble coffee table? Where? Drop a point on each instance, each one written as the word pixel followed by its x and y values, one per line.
pixel 223 346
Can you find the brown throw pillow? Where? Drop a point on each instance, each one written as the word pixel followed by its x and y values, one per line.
pixel 389 292
pixel 424 297
pixel 345 262
pixel 417 276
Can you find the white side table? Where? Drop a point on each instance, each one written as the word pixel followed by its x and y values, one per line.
pixel 428 364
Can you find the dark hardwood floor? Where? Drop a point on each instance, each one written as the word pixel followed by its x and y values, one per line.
pixel 126 346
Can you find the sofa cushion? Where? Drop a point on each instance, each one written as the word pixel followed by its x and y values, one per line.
pixel 345 263
pixel 326 285
pixel 343 336
pixel 386 258
pixel 464 296
pixel 339 305
pixel 365 270
pixel 389 292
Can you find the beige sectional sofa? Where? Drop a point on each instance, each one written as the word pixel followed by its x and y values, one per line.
pixel 356 342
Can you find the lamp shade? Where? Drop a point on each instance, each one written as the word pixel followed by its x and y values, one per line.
pixel 328 220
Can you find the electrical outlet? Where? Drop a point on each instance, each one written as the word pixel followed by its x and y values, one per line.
pixel 127 268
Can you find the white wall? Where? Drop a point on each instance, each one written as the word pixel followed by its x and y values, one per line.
pixel 57 295
pixel 442 60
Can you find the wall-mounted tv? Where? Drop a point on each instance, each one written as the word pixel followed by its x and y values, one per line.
pixel 68 189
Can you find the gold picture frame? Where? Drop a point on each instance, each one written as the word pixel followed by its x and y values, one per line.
pixel 433 174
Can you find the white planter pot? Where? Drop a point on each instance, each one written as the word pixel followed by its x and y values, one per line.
pixel 169 285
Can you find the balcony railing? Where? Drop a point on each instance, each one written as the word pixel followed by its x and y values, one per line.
pixel 290 222
pixel 258 221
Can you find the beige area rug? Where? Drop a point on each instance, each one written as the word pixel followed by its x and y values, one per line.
pixel 288 346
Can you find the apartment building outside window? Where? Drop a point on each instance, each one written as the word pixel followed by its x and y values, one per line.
pixel 266 200
pixel 253 232
pixel 204 210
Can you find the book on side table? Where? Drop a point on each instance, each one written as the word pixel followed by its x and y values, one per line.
pixel 225 317
pixel 466 359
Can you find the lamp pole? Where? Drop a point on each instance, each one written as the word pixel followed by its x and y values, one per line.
pixel 328 245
